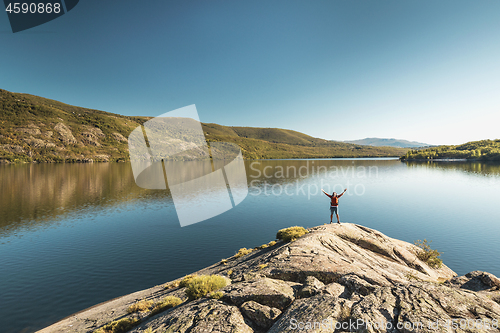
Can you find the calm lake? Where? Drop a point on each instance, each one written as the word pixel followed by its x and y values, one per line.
pixel 72 236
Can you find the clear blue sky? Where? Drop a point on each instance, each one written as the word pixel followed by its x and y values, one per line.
pixel 427 71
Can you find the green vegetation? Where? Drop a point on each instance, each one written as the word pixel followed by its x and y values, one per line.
pixel 43 130
pixel 141 306
pixel 171 285
pixel 202 285
pixel 243 252
pixel 166 303
pixel 428 255
pixel 291 234
pixel 485 150
pixel 263 246
pixel 216 295
pixel 119 326
pixel 411 277
pixel 186 280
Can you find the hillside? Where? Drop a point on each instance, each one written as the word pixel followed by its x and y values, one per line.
pixel 339 275
pixel 43 130
pixel 379 142
pixel 484 150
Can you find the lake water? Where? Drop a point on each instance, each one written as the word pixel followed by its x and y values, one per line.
pixel 72 236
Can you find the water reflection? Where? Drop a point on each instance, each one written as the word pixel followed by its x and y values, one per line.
pixel 478 168
pixel 289 171
pixel 34 193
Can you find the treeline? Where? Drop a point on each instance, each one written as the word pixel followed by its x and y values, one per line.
pixel 484 150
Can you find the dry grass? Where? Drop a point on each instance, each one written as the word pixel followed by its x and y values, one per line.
pixel 166 303
pixel 185 280
pixel 141 306
pixel 242 252
pixel 291 234
pixel 202 285
pixel 216 295
pixel 171 285
pixel 428 255
pixel 119 326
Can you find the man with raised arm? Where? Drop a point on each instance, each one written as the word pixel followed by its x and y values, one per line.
pixel 334 204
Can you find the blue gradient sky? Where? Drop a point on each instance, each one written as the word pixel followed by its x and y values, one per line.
pixel 427 71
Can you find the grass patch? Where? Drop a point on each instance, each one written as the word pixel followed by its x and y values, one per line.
pixel 185 280
pixel 171 285
pixel 428 255
pixel 262 266
pixel 291 234
pixel 141 306
pixel 242 252
pixel 166 303
pixel 411 277
pixel 200 286
pixel 264 246
pixel 216 295
pixel 119 326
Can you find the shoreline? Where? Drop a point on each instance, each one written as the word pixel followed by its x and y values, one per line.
pixel 310 277
pixel 87 161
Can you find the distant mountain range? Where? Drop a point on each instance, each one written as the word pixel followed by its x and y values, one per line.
pixel 380 142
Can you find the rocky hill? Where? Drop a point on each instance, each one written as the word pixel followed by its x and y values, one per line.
pixel 335 278
pixel 36 129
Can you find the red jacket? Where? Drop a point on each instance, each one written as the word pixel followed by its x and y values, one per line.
pixel 335 200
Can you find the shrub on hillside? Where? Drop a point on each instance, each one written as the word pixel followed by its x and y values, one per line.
pixel 242 252
pixel 118 326
pixel 141 306
pixel 428 255
pixel 166 303
pixel 291 234
pixel 200 286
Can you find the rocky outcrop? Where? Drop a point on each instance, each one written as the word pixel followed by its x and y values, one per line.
pixel 270 292
pixel 118 137
pixel 336 278
pixel 92 135
pixel 33 130
pixel 65 133
pixel 12 149
pixel 263 316
pixel 38 143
